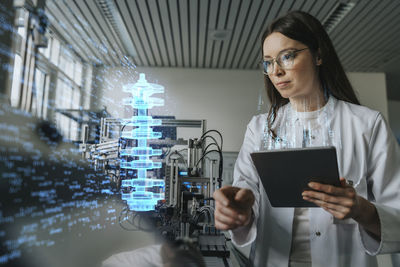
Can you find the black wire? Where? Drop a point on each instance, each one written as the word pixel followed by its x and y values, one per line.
pixel 184 149
pixel 163 156
pixel 205 149
pixel 180 156
pixel 219 152
pixel 220 169
pixel 215 141
pixel 202 139
pixel 133 221
pixel 209 131
pixel 120 222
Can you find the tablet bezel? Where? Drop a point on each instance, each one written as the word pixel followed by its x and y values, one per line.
pixel 289 171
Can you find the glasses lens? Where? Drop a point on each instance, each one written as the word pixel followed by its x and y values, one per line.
pixel 286 59
pixel 268 66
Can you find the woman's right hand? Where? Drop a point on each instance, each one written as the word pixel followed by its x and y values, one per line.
pixel 233 207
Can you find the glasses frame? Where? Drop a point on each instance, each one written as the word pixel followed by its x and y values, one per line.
pixel 274 60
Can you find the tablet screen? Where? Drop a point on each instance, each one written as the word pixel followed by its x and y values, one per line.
pixel 285 173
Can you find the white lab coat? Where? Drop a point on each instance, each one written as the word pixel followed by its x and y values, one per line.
pixel 369 155
pixel 149 256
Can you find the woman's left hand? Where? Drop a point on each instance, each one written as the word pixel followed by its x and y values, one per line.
pixel 342 202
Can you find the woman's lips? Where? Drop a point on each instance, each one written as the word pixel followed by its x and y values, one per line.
pixel 282 84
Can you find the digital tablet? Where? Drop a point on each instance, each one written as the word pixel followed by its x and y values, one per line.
pixel 285 173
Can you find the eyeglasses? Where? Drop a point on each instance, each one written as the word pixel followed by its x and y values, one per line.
pixel 285 60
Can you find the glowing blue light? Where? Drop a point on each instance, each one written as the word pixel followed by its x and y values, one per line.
pixel 140 198
pixel 136 151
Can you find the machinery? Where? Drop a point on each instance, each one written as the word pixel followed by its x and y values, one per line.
pixel 172 193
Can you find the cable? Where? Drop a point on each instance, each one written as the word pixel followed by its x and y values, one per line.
pixel 209 131
pixel 120 221
pixel 166 153
pixel 203 137
pixel 183 149
pixel 206 154
pixel 180 156
pixel 205 149
pixel 215 141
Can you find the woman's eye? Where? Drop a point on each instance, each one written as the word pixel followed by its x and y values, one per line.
pixel 287 56
pixel 268 63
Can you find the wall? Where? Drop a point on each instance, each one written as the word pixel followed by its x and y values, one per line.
pixel 371 90
pixel 227 99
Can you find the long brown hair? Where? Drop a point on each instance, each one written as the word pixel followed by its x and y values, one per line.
pixel 304 28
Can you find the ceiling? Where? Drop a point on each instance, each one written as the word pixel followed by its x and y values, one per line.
pixel 220 33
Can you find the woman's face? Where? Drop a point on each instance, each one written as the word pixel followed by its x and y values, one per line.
pixel 299 80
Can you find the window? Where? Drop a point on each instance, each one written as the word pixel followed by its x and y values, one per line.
pixel 16 82
pixel 55 51
pixel 58 78
pixel 38 96
pixel 78 73
pixel 45 51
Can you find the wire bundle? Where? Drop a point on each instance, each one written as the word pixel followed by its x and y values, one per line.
pixel 202 141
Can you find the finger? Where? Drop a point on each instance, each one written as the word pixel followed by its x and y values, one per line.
pixel 227 211
pixel 346 183
pixel 222 226
pixel 231 221
pixel 239 215
pixel 343 181
pixel 342 201
pixel 330 206
pixel 244 196
pixel 337 214
pixel 347 193
pixel 221 197
pixel 330 189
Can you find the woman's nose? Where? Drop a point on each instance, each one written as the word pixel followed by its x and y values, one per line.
pixel 277 70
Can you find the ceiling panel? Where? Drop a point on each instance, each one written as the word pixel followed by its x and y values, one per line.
pixel 179 33
pixel 168 34
pixel 376 41
pixel 101 26
pixel 78 29
pixel 326 7
pixel 213 12
pixel 246 35
pixel 309 5
pixel 238 28
pixel 78 45
pixel 253 41
pixel 174 14
pixel 141 57
pixel 273 11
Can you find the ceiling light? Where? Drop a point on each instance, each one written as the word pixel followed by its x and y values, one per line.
pixel 337 15
pixel 220 35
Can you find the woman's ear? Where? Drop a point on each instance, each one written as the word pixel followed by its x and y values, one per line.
pixel 318 59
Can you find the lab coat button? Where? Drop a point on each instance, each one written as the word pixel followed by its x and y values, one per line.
pixel 318 233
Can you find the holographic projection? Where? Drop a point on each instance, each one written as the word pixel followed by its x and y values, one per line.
pixel 51 198
pixel 141 198
pixel 78 176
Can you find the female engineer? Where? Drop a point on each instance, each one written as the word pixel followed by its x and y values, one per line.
pixel 313 104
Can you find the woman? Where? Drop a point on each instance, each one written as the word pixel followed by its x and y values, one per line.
pixel 313 104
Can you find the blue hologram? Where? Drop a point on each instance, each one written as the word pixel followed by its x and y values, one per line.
pixel 141 197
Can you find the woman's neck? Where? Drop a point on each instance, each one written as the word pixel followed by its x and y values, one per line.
pixel 308 103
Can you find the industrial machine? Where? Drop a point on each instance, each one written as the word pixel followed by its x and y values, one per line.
pixel 167 183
